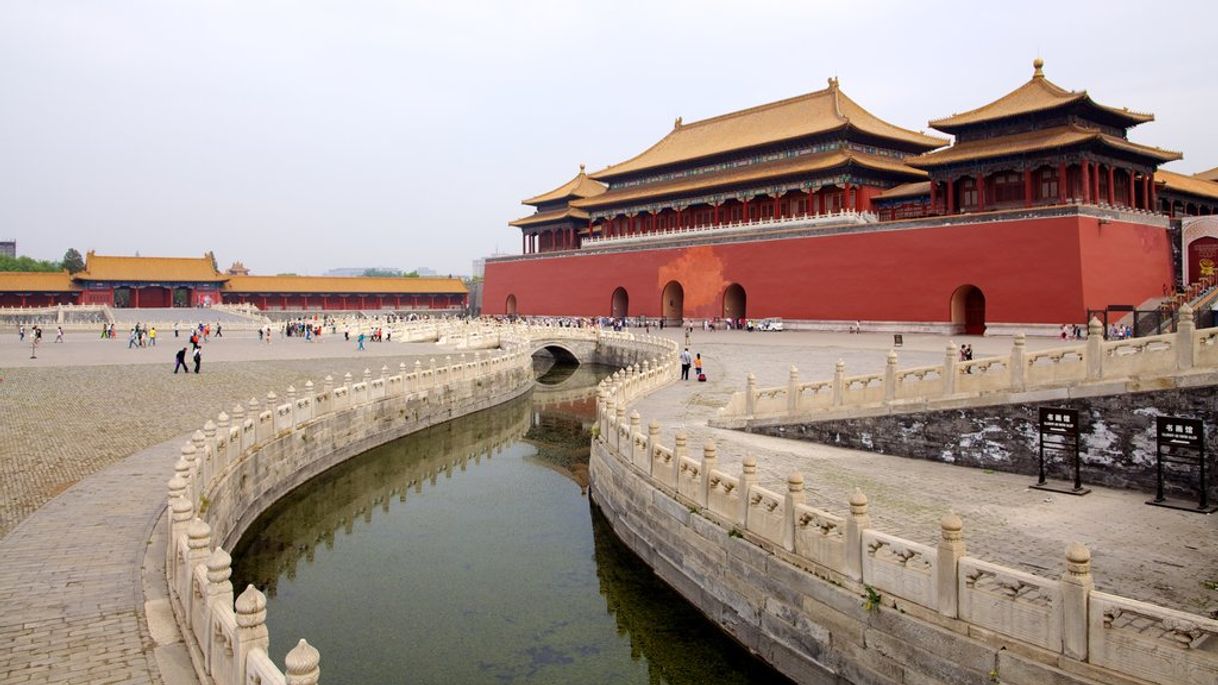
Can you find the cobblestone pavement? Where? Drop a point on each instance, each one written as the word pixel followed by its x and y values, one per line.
pixel 1147 553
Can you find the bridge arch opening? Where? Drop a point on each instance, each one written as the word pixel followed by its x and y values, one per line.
pixel 619 304
pixel 968 310
pixel 735 302
pixel 672 304
pixel 552 363
pixel 509 307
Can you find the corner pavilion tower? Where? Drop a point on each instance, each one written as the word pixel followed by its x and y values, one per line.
pixel 815 210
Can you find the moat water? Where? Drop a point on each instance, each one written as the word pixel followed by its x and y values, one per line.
pixel 470 553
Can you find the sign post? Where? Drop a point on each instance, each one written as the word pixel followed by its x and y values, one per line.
pixel 1180 444
pixel 1059 434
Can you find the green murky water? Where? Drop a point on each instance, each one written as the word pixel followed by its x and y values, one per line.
pixel 469 553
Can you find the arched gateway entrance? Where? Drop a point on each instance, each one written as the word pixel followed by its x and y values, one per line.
pixel 510 307
pixel 734 302
pixel 968 309
pixel 672 304
pixel 619 304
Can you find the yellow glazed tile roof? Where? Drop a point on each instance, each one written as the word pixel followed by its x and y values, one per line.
pixel 1187 184
pixel 804 164
pixel 37 281
pixel 1209 175
pixel 580 186
pixel 545 217
pixel 1037 95
pixel 343 284
pixel 905 190
pixel 111 268
pixel 803 115
pixel 1033 141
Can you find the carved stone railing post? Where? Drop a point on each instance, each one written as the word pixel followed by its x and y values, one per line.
pixel 951 358
pixel 1076 585
pixel 858 522
pixel 795 495
pixel 219 588
pixel 271 400
pixel 1095 349
pixel 750 394
pixel 710 460
pixel 620 416
pixel 635 423
pixel 1185 326
pixel 748 478
pixel 653 438
pixel 1017 369
pixel 680 448
pixel 182 512
pixel 839 383
pixel 890 376
pixel 418 376
pixel 792 391
pixel 367 375
pixel 250 612
pixel 608 411
pixel 291 394
pixel 302 665
pixel 951 548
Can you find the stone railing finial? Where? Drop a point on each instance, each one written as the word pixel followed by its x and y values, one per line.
pixel 303 665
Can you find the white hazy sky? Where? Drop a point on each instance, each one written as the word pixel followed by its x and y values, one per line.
pixel 305 135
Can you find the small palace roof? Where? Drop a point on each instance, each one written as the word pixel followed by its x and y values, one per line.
pixel 547 217
pixel 37 282
pixel 580 186
pixel 179 269
pixel 803 164
pixel 1037 95
pixel 1190 185
pixel 804 115
pixel 1034 141
pixel 343 284
pixel 905 190
pixel 1210 175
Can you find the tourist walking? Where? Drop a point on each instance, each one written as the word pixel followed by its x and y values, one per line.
pixel 59 334
pixel 686 360
pixel 360 339
pixel 133 341
pixel 21 333
pixel 181 357
pixel 698 367
pixel 152 336
pixel 198 358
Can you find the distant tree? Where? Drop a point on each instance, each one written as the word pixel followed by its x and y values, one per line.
pixel 72 261
pixel 287 274
pixel 27 264
pixel 381 273
pixel 412 274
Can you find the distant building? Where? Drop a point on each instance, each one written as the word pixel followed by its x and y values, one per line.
pixel 8 248
pixel 142 282
pixel 424 271
pixel 237 269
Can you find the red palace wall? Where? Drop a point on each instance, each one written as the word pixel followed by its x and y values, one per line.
pixel 1038 270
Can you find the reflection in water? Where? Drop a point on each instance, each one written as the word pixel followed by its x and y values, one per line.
pixel 449 556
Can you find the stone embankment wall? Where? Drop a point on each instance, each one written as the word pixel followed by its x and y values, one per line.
pixel 826 598
pixel 984 412
pixel 237 466
pixel 1117 437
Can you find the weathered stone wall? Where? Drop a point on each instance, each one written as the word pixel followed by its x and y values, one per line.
pixel 809 623
pixel 1117 445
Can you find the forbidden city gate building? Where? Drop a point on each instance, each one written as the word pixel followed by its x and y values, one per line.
pixel 814 209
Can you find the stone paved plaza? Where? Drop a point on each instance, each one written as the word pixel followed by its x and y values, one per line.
pixel 90 432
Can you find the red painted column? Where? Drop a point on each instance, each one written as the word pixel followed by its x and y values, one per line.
pixel 809 210
pixel 744 210
pixel 934 197
pixel 1132 198
pixel 1085 181
pixel 980 192
pixel 951 196
pixel 1061 183
pixel 717 213
pixel 1111 185
pixel 1146 193
pixel 135 298
pixel 1027 187
pixel 1154 193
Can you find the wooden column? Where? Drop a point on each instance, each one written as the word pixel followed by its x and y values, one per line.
pixel 777 206
pixel 1027 187
pixel 980 192
pixel 848 196
pixel 934 196
pixel 809 210
pixel 1146 192
pixel 744 209
pixel 1061 183
pixel 1111 185
pixel 1085 180
pixel 951 196
pixel 717 206
pixel 1132 197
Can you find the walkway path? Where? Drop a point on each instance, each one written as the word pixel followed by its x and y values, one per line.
pixel 1147 553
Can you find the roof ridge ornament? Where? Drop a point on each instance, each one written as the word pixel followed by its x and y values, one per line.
pixel 581 168
pixel 1038 66
pixel 677 123
pixel 833 83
